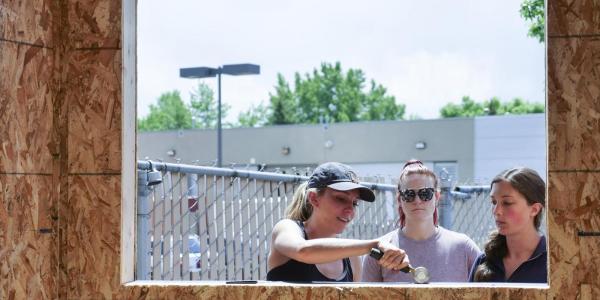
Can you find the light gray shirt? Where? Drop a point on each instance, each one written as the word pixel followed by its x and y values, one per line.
pixel 447 255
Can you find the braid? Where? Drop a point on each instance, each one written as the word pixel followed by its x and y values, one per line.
pixel 494 249
pixel 527 182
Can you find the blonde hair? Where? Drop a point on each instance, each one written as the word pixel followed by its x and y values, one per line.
pixel 300 209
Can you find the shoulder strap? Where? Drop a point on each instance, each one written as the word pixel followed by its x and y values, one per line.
pixel 348 270
pixel 301 224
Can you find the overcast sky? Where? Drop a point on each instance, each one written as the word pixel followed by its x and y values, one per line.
pixel 427 53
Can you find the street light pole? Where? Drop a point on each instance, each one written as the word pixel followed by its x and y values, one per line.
pixel 219 128
pixel 204 72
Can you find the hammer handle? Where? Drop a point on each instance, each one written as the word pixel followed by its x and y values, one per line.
pixel 377 254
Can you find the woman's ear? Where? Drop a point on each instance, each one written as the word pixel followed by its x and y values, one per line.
pixel 536 208
pixel 313 199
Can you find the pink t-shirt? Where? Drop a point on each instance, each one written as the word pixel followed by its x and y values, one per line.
pixel 447 255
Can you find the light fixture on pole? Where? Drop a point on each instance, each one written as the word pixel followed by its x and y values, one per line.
pixel 204 72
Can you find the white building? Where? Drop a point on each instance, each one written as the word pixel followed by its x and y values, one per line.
pixel 473 150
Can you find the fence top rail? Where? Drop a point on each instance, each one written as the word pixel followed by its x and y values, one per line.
pixel 473 189
pixel 269 176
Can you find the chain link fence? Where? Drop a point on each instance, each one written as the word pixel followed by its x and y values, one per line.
pixel 204 223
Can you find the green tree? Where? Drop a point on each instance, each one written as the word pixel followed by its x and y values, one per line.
pixel 533 10
pixel 518 107
pixel 470 108
pixel 204 108
pixel 494 107
pixel 331 93
pixel 283 104
pixel 169 113
pixel 467 108
pixel 379 106
pixel 255 116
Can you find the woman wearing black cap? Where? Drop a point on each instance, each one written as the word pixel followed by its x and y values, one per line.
pixel 304 247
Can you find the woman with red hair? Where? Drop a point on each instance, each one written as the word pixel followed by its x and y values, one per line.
pixel 447 255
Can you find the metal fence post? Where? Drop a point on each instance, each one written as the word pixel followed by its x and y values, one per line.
pixel 445 206
pixel 144 246
pixel 192 191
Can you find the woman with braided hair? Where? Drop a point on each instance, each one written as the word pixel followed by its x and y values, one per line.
pixel 516 251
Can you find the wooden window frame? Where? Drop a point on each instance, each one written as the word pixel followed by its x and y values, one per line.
pixel 129 189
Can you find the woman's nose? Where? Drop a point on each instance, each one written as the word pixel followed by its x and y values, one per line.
pixel 419 200
pixel 496 210
pixel 350 208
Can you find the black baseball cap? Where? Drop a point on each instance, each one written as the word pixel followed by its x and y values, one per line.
pixel 339 177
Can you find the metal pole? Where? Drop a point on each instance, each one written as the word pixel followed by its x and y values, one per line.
pixel 219 129
pixel 268 176
pixel 144 246
pixel 193 201
pixel 445 212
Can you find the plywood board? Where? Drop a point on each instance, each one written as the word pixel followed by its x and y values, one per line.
pixel 28 251
pixel 95 24
pixel 91 212
pixel 25 108
pixel 28 22
pixel 94 106
pixel 574 104
pixel 93 236
pixel 573 17
pixel 574 207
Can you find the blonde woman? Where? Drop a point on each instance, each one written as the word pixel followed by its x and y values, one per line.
pixel 304 247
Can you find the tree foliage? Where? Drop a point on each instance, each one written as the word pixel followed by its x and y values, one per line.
pixel 470 108
pixel 170 112
pixel 255 116
pixel 533 10
pixel 204 108
pixel 329 93
pixel 283 107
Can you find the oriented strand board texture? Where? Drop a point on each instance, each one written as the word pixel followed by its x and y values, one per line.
pixel 574 260
pixel 95 24
pixel 93 234
pixel 573 17
pixel 27 256
pixel 25 108
pixel 574 147
pixel 574 103
pixel 28 21
pixel 88 66
pixel 233 292
pixel 94 105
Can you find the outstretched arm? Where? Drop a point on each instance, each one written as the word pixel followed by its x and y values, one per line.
pixel 288 240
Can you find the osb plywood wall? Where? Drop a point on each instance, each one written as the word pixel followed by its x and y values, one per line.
pixel 60 172
pixel 28 245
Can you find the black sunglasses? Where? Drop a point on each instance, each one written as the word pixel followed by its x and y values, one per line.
pixel 425 194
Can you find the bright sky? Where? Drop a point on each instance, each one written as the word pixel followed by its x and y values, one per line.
pixel 427 53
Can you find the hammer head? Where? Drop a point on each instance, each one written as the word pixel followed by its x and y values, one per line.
pixel 421 275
